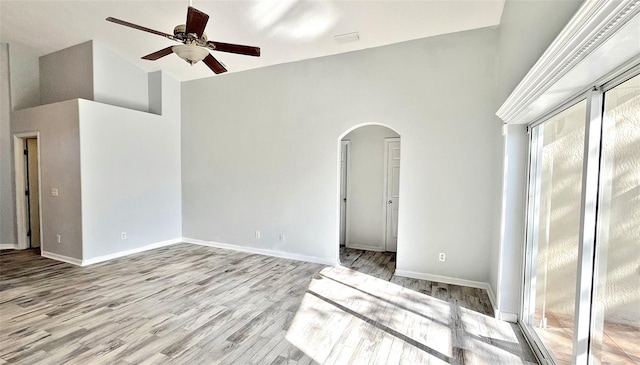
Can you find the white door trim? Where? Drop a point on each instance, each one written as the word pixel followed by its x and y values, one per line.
pixel 385 190
pixel 19 169
pixel 347 144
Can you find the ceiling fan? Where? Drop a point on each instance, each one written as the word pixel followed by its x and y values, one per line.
pixel 195 46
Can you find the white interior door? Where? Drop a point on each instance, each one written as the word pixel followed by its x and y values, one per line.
pixel 392 188
pixel 344 176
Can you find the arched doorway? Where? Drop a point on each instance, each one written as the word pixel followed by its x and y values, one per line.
pixel 369 199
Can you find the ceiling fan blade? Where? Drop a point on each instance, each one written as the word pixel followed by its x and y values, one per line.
pixel 196 21
pixel 214 65
pixel 159 54
pixel 234 48
pixel 139 27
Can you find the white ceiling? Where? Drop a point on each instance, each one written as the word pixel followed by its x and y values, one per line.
pixel 285 31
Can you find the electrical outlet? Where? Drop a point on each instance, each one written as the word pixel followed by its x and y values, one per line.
pixel 58 238
pixel 281 236
pixel 123 235
pixel 442 256
pixel 257 234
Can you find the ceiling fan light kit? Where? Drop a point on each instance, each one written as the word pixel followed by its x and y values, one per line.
pixel 190 53
pixel 195 46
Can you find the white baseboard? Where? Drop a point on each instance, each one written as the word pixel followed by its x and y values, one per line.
pixel 57 257
pixel 442 279
pixel 8 246
pixel 358 246
pixel 508 317
pixel 95 260
pixel 504 316
pixel 450 280
pixel 493 300
pixel 261 251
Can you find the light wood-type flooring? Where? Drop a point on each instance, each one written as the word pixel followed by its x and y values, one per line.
pixel 188 304
pixel 382 265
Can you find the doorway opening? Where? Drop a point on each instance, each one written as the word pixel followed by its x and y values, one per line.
pixel 28 202
pixel 369 168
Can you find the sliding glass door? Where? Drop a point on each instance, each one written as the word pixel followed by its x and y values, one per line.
pixel 616 304
pixel 557 159
pixel 582 279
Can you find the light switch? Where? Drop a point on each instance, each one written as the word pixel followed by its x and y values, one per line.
pixel 54 191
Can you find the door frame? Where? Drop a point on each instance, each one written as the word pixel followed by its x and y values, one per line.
pixel 347 144
pixel 338 147
pixel 20 172
pixel 385 190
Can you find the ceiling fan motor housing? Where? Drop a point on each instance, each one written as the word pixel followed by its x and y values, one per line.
pixel 180 32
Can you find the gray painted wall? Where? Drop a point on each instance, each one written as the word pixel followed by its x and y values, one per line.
pixel 21 89
pixel 67 74
pixel 267 157
pixel 366 219
pixel 332 94
pixel 60 168
pixel 155 92
pixel 92 72
pixel 7 192
pixel 521 42
pixel 116 81
pixel 25 77
pixel 130 174
pixel 522 39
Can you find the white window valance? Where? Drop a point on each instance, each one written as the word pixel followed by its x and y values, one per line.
pixel 602 37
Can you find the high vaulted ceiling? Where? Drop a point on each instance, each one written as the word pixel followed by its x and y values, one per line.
pixel 286 31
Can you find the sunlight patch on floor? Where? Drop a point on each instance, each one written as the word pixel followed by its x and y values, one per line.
pixel 346 316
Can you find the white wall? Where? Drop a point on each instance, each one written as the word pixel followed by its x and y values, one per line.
pixel 7 193
pixel 264 155
pixel 60 168
pixel 511 243
pixel 116 81
pixel 366 217
pixel 67 74
pixel 130 174
pixel 521 42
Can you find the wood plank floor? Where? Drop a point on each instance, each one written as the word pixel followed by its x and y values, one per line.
pixel 382 265
pixel 187 304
